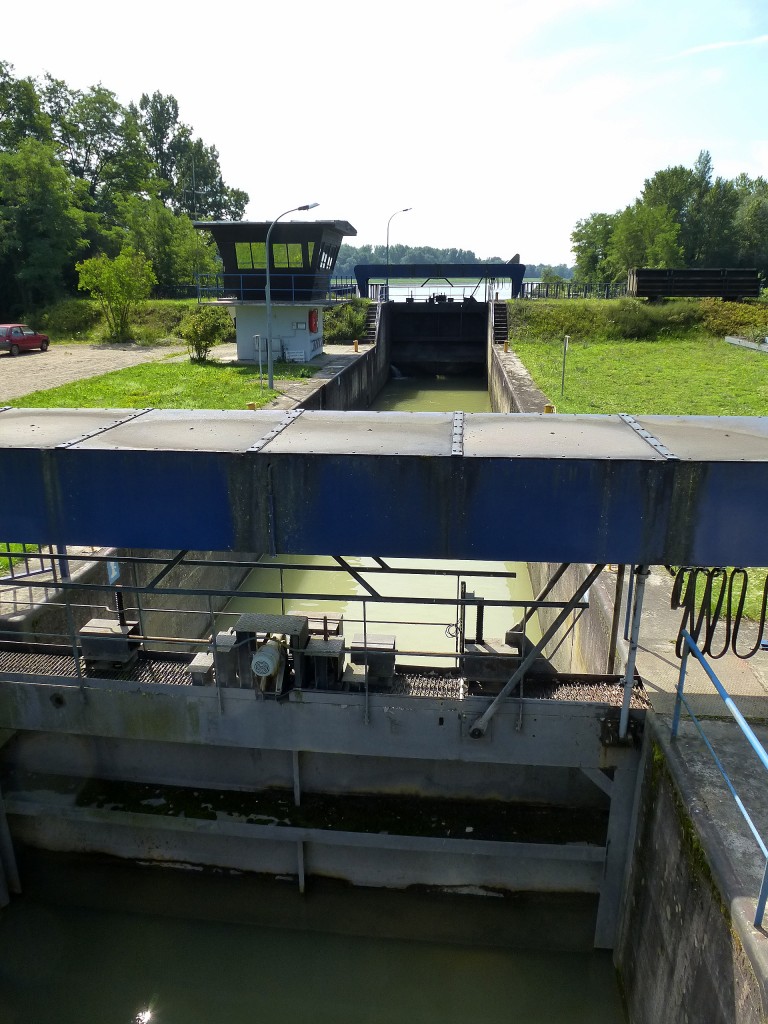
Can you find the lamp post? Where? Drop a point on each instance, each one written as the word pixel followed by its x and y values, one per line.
pixel 407 208
pixel 268 292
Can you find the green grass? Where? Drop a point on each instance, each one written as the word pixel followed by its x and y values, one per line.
pixel 12 554
pixel 696 375
pixel 166 385
pixel 679 372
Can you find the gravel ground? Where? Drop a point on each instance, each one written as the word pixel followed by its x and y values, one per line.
pixel 62 364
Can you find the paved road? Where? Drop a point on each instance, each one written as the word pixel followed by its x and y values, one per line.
pixel 62 364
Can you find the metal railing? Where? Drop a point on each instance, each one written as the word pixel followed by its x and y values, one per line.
pixel 284 287
pixel 22 561
pixel 690 647
pixel 569 290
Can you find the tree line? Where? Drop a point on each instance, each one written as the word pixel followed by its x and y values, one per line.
pixel 350 255
pixel 82 175
pixel 684 217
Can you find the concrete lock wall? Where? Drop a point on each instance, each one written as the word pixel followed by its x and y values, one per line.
pixel 358 383
pixel 679 957
pixel 256 769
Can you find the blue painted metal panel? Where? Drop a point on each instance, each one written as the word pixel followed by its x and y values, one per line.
pixel 537 488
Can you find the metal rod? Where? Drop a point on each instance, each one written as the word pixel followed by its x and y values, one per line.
pixel 630 598
pixel 259 563
pixel 642 572
pixel 618 594
pixel 548 587
pixel 365 663
pixel 166 569
pixel 355 574
pixel 479 727
pixel 382 599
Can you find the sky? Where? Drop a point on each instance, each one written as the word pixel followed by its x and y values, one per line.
pixel 500 122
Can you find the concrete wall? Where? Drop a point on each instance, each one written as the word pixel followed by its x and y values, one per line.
pixel 587 647
pixel 356 386
pixel 679 956
pixel 510 386
pixel 291 336
pixel 254 769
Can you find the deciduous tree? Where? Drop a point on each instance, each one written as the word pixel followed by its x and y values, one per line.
pixel 41 226
pixel 119 285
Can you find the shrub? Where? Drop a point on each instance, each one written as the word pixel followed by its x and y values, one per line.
pixel 345 322
pixel 721 318
pixel 202 328
pixel 161 318
pixel 70 317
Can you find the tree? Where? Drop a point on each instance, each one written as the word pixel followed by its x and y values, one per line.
pixel 704 207
pixel 188 175
pixel 590 240
pixel 100 141
pixel 751 222
pixel 643 236
pixel 21 116
pixel 177 251
pixel 119 285
pixel 41 226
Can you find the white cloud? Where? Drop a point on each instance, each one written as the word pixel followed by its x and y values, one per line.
pixel 722 45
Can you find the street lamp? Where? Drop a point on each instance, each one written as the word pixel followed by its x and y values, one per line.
pixel 268 292
pixel 407 208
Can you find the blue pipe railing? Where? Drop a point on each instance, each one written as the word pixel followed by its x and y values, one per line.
pixel 690 647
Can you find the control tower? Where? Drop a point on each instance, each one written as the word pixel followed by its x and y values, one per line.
pixel 302 257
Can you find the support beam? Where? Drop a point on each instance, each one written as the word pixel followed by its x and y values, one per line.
pixel 641 572
pixel 479 727
pixel 616 850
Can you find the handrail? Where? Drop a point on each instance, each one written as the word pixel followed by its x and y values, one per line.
pixel 690 647
pixel 285 287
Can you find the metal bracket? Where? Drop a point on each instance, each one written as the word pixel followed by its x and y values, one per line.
pixel 647 436
pixel 610 730
pixel 457 438
pixel 103 430
pixel 285 422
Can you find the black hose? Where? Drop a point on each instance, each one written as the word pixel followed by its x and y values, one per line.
pixel 702 618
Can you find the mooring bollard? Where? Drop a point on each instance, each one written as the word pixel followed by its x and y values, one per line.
pixel 355 344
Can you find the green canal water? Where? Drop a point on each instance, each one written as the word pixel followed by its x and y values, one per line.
pixel 95 943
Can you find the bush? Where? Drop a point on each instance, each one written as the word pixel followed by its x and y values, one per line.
pixel 202 328
pixel 70 318
pixel 162 318
pixel 602 319
pixel 346 322
pixel 721 318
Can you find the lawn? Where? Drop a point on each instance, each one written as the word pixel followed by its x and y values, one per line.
pixel 695 375
pixel 690 373
pixel 168 385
